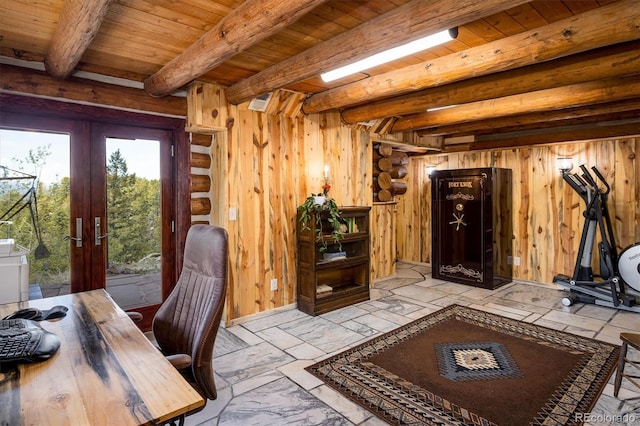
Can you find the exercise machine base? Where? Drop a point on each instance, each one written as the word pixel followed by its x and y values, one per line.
pixel 602 293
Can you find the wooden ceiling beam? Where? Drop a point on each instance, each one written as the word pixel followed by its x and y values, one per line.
pixel 249 23
pixel 587 121
pixel 79 90
pixel 593 65
pixel 585 114
pixel 404 23
pixel 77 26
pixel 612 24
pixel 573 95
pixel 547 136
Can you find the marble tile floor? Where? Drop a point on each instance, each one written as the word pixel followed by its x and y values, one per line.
pixel 260 362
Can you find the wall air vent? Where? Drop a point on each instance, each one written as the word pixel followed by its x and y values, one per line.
pixel 259 103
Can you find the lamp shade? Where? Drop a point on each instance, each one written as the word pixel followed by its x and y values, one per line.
pixel 565 164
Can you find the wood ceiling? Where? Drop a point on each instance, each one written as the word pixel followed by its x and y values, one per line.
pixel 543 70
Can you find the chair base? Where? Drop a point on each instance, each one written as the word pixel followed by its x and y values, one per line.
pixel 633 340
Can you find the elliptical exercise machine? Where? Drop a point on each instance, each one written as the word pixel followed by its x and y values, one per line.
pixel 615 271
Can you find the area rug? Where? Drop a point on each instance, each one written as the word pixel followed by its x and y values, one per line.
pixel 462 366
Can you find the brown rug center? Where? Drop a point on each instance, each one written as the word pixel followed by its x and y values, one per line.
pixel 463 366
pixel 508 401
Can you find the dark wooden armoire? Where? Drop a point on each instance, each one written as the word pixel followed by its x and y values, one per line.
pixel 472 226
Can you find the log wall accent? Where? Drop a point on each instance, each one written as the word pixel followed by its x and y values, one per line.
pixel 201 172
pixel 200 183
pixel 389 167
pixel 200 206
pixel 267 165
pixel 200 139
pixel 200 160
pixel 547 212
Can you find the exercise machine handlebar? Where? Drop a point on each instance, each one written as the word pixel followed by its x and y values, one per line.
pixel 577 183
pixel 602 179
pixel 587 176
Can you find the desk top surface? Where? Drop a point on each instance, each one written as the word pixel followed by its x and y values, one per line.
pixel 105 372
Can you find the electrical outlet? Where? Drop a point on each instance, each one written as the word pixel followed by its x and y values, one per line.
pixel 233 213
pixel 516 261
pixel 509 260
pixel 274 284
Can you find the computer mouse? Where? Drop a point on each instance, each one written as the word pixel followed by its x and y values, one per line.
pixel 49 345
pixel 55 312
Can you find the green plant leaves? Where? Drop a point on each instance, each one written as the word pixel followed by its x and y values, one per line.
pixel 329 212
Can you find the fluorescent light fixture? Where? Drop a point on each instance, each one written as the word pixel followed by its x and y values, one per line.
pixel 391 55
pixel 439 108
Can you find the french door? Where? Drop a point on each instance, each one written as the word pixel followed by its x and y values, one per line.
pixel 117 198
pixel 120 217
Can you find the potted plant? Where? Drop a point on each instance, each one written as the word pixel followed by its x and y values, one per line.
pixel 322 208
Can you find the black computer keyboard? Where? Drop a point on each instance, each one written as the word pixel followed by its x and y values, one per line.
pixel 25 340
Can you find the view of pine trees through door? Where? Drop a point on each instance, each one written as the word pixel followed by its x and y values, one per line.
pixel 97 210
pixel 133 231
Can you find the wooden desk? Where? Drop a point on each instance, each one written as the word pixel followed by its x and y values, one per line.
pixel 105 372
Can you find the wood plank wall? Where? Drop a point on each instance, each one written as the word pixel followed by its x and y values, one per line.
pixel 547 212
pixel 264 166
pixel 383 240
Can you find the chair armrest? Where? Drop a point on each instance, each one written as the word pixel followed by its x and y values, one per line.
pixel 135 316
pixel 179 361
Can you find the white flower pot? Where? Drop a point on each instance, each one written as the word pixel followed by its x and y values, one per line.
pixel 319 199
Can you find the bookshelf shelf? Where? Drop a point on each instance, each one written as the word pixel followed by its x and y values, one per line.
pixel 341 277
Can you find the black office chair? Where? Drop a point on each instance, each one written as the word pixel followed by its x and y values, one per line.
pixel 186 325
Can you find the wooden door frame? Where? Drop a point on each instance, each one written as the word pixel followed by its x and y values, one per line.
pixel 31 113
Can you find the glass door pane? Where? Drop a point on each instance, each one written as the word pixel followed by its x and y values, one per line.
pixel 34 212
pixel 134 228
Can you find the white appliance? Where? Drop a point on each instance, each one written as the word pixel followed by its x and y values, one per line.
pixel 14 272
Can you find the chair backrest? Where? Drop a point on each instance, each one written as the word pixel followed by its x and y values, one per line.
pixel 188 320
